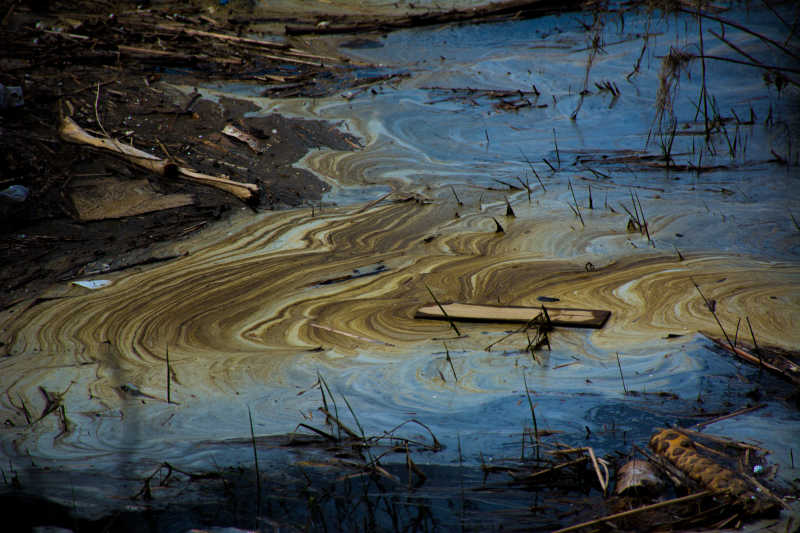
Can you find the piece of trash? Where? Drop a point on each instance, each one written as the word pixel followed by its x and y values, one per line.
pixel 637 476
pixel 351 335
pixel 130 388
pixel 362 272
pixel 93 284
pixel 95 267
pixel 681 451
pixel 11 96
pixel 133 391
pixel 15 193
pixel 232 131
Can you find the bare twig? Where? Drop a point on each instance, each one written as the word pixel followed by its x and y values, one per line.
pixel 638 510
pixel 740 27
pixel 452 324
pixel 730 415
pixel 753 60
pixel 714 313
pixel 255 460
pixel 449 360
pixel 619 364
pixel 532 169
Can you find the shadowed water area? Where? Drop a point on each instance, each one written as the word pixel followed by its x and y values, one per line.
pixel 265 303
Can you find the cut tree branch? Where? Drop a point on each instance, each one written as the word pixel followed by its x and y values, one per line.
pixel 70 131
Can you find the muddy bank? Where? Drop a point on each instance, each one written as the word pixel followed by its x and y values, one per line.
pixel 87 211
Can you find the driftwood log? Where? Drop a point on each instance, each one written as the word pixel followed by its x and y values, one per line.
pixel 70 131
pixel 771 360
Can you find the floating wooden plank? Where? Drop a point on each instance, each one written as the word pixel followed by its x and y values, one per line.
pixel 573 318
pixel 104 198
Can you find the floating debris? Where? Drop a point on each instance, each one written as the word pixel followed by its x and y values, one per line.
pixel 576 318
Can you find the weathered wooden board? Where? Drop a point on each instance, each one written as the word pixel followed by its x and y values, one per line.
pixel 572 318
pixel 102 198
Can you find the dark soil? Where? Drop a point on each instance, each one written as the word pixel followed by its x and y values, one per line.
pixel 43 239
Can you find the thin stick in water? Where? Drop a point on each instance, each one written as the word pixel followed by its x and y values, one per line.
pixel 449 360
pixel 555 142
pixel 713 313
pixel 755 344
pixel 255 460
pixel 576 209
pixel 623 514
pixel 533 414
pixel 619 364
pixel 498 227
pixel 533 169
pixel 452 324
pixel 460 203
pixel 169 379
pixel 509 210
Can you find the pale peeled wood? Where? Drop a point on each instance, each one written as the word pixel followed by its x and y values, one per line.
pixel 70 131
pixel 637 474
pixel 242 190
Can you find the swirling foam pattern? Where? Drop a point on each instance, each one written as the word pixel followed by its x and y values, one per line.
pixel 236 314
pixel 248 322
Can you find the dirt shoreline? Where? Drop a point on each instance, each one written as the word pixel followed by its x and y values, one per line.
pixel 113 69
pixel 50 237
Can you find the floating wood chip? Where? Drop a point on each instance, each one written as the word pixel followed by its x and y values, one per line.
pixel 637 475
pixel 232 131
pixel 105 198
pixel 575 318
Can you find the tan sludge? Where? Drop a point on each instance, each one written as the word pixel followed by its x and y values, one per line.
pixel 464 290
pixel 250 294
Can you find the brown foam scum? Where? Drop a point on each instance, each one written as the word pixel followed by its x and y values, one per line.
pixel 649 299
pixel 236 311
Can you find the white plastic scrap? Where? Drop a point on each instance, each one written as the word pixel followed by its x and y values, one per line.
pixel 93 283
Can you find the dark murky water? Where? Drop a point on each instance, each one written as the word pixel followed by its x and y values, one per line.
pixel 241 314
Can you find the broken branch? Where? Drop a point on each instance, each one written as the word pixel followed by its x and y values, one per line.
pixel 70 131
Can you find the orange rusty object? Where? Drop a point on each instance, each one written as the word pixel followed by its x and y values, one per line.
pixel 681 451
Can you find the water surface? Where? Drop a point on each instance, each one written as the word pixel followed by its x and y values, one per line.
pixel 240 315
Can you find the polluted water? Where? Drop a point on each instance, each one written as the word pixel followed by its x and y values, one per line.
pixel 276 375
